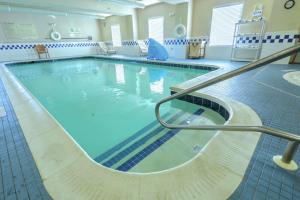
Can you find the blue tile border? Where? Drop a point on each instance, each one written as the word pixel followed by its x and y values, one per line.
pixel 206 103
pixel 139 142
pixel 274 38
pixel 149 62
pixel 133 161
pixel 19 46
pixel 269 38
pixel 179 65
pixel 120 145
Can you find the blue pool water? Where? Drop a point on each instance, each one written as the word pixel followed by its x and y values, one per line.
pixel 108 108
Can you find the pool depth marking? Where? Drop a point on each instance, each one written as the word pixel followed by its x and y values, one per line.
pixel 133 161
pixel 139 143
pixel 119 146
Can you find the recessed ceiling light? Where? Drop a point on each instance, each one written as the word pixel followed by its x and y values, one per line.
pixel 127 3
pixel 150 2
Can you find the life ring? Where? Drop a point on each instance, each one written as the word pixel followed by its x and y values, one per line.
pixel 55 36
pixel 180 31
pixel 289 4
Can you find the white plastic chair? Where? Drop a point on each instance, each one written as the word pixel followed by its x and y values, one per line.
pixel 143 48
pixel 105 50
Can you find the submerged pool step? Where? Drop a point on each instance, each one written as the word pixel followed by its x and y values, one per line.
pixel 109 153
pixel 162 132
pixel 138 157
pixel 128 150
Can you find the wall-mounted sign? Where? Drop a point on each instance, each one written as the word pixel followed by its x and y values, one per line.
pixel 16 31
pixel 258 11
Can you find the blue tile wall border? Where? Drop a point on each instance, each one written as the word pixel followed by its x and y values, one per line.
pixel 17 46
pixel 269 38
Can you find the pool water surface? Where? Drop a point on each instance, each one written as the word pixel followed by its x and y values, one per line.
pixel 107 106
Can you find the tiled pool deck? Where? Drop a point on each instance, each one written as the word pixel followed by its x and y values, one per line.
pixel 19 176
pixel 275 100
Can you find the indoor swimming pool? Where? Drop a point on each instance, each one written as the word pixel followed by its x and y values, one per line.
pixel 107 106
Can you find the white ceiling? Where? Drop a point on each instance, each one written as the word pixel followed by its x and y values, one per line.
pixel 96 8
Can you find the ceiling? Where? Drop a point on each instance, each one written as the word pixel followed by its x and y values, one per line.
pixel 95 8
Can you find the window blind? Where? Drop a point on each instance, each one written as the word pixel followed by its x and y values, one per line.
pixel 156 29
pixel 223 24
pixel 116 35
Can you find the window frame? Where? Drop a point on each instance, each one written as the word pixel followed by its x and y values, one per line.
pixel 163 27
pixel 221 6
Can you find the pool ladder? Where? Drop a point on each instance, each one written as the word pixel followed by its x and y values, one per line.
pixel 286 160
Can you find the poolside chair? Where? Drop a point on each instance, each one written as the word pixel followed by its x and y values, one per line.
pixel 103 49
pixel 197 49
pixel 41 49
pixel 143 48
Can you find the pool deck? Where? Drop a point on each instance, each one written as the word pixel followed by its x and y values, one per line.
pixel 276 101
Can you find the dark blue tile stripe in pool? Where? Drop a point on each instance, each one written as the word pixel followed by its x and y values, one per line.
pixel 139 143
pixel 119 146
pixel 206 103
pixel 155 145
pixel 115 59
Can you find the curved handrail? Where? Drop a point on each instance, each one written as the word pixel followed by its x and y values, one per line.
pixel 251 66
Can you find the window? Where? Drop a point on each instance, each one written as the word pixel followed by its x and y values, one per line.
pixel 116 35
pixel 223 24
pixel 156 29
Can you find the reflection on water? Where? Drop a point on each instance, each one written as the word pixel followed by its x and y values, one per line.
pixel 120 73
pixel 157 86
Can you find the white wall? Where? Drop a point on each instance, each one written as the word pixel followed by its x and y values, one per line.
pixel 279 22
pixel 13 49
pixel 87 26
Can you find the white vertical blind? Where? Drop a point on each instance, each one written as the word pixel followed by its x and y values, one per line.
pixel 156 29
pixel 116 35
pixel 223 24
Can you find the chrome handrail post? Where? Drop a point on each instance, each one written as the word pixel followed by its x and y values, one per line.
pixel 290 151
pixel 286 160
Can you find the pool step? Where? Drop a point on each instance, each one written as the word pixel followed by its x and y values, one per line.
pixel 140 142
pixel 132 150
pixel 109 153
pixel 147 150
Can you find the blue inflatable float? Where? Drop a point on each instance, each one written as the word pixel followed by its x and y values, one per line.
pixel 156 51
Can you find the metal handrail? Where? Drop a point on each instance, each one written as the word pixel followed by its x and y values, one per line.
pixel 251 66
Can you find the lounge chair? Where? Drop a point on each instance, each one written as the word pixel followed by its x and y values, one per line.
pixel 103 49
pixel 143 48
